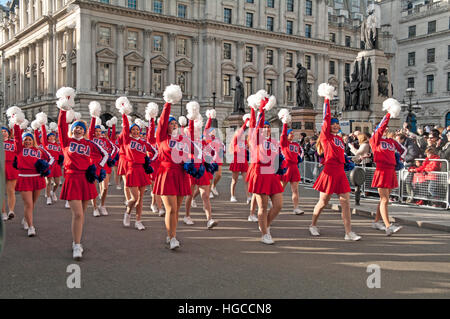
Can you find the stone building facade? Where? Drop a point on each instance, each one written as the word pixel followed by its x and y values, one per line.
pixel 108 48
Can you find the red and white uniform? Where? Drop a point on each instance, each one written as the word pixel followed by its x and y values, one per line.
pixel 152 140
pixel 106 144
pixel 136 150
pixel 55 150
pixel 198 151
pixel 123 160
pixel 10 153
pixel 290 151
pixel 384 156
pixel 265 153
pixel 29 178
pixel 252 126
pixel 240 146
pixel 77 159
pixel 332 179
pixel 171 178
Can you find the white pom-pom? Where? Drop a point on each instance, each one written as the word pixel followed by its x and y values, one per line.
pixel 95 109
pixel 41 118
pixel 35 125
pixel 24 124
pixel 272 102
pixel 151 111
pixel 392 106
pixel 18 118
pixel 182 120
pixel 70 115
pixel 113 120
pixel 102 128
pixel 13 110
pixel 193 108
pixel 253 101
pixel 262 94
pixel 139 122
pixel 246 117
pixel 286 119
pixel 282 113
pixel 327 91
pixel 192 116
pixel 53 126
pixel 77 116
pixel 211 114
pixel 123 105
pixel 66 98
pixel 172 94
pixel 98 121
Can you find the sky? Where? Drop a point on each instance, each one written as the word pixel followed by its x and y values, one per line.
pixel 3 2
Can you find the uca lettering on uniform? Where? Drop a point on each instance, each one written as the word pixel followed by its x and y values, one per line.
pixel 80 149
pixel 31 153
pixel 339 143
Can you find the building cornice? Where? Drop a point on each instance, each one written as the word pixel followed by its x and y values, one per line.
pixel 424 37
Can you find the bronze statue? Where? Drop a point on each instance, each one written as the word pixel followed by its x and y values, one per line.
pixel 364 93
pixel 369 31
pixel 383 84
pixel 348 98
pixel 354 88
pixel 239 106
pixel 303 99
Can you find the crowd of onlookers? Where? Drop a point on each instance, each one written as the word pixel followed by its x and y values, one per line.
pixel 427 144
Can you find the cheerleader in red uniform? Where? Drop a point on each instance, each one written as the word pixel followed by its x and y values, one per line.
pixel 137 175
pixel 123 160
pixel 293 155
pixel 332 179
pixel 172 181
pixel 217 150
pixel 113 136
pixel 33 164
pixel 78 187
pixel 264 182
pixel 238 148
pixel 384 155
pixel 11 173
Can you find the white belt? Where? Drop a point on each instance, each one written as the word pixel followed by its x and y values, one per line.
pixel 29 175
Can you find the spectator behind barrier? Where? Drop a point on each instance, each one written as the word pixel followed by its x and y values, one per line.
pixel 445 151
pixel 363 153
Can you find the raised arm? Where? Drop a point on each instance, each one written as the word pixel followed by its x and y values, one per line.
pixel 379 130
pixel 44 136
pixel 17 139
pixel 126 130
pixel 151 139
pixel 161 131
pixel 283 138
pixel 92 128
pixel 326 125
pixel 207 126
pixel 36 137
pixel 63 129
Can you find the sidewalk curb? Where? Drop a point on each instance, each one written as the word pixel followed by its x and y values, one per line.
pixel 401 220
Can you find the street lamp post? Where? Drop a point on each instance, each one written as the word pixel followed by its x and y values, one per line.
pixel 410 118
pixel 214 121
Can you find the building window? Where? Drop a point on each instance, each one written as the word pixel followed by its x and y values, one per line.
pixel 430 83
pixel 270 23
pixel 430 56
pixel 411 31
pixel 348 41
pixel 289 27
pixel 157 81
pixel 308 31
pixel 289 93
pixel 131 77
pixel 181 80
pixel 431 26
pixel 249 20
pixel 181 46
pixel 132 40
pixel 105 1
pixel 157 6
pixel 308 7
pixel 104 79
pixel 131 4
pixel 248 86
pixel 227 51
pixel 411 58
pixel 410 83
pixel 248 54
pixel 269 86
pixel 269 57
pixel 448 81
pixel 289 60
pixel 333 37
pixel 227 15
pixel 308 62
pixel 347 70
pixel 332 66
pixel 290 5
pixel 226 85
pixel 249 1
pixel 182 9
pixel 448 52
pixel 271 3
pixel 157 43
pixel 104 36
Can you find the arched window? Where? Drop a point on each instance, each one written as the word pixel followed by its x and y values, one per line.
pixel 447 119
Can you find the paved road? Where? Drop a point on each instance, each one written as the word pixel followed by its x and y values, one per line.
pixel 226 262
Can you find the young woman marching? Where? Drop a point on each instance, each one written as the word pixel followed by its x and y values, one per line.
pixel 122 163
pixel 33 164
pixel 11 173
pixel 332 179
pixel 78 187
pixel 385 152
pixel 293 154
pixel 171 182
pixel 138 168
pixel 264 182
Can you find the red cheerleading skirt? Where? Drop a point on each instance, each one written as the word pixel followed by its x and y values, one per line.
pixel 155 166
pixel 239 167
pixel 250 171
pixel 136 176
pixel 171 179
pixel 55 170
pixel 292 174
pixel 267 184
pixel 29 184
pixel 107 169
pixel 332 180
pixel 202 181
pixel 385 178
pixel 10 172
pixel 122 166
pixel 77 187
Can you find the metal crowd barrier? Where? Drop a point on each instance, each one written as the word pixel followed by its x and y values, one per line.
pixel 433 188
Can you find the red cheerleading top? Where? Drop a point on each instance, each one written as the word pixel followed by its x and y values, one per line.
pixel 10 150
pixel 333 145
pixel 136 148
pixel 213 146
pixel 290 150
pixel 384 149
pixel 104 142
pixel 53 148
pixel 240 145
pixel 27 157
pixel 78 154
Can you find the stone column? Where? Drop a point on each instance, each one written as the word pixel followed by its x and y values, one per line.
pixel 262 16
pixel 239 59
pixel 38 70
pixel 12 93
pixel 300 58
pixel 341 80
pixel 49 65
pixel 281 17
pixel 93 51
pixel 218 68
pixel 171 55
pixel 300 13
pixel 281 69
pixel 68 33
pixel 146 71
pixel 195 61
pixel 120 72
pixel 261 63
pixel 209 63
pixel 32 59
pixel 22 67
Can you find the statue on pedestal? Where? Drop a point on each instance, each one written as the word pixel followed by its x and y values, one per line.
pixel 383 84
pixel 354 88
pixel 303 99
pixel 364 93
pixel 348 97
pixel 239 106
pixel 369 31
